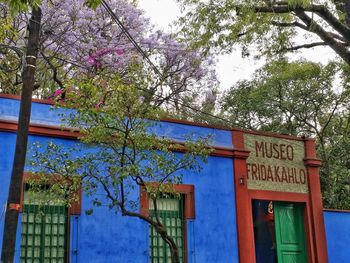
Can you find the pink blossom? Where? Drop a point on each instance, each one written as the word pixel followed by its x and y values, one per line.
pixel 99 104
pixel 89 38
pixel 57 93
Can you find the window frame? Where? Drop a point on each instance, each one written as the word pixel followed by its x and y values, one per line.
pixel 168 215
pixel 187 191
pixel 33 210
pixel 74 209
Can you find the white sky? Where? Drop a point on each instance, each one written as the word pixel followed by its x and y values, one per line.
pixel 230 68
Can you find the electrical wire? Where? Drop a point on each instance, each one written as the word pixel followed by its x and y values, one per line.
pixel 178 102
pixel 172 101
pixel 154 67
pixel 144 55
pixel 129 36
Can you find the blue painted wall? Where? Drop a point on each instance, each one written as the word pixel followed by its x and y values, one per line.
pixel 47 115
pixel 107 237
pixel 7 149
pixel 214 231
pixel 338 236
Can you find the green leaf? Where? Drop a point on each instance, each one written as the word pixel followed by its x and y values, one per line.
pixel 89 212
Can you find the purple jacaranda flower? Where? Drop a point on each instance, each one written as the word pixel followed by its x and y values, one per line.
pixel 91 40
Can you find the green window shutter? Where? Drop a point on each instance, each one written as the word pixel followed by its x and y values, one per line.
pixel 290 232
pixel 170 212
pixel 44 234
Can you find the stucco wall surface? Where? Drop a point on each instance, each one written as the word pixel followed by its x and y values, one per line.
pixel 338 236
pixel 44 114
pixel 108 237
pixel 211 236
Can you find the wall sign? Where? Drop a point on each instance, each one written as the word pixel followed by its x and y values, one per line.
pixel 275 164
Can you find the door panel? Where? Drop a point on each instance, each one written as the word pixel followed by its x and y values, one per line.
pixel 290 232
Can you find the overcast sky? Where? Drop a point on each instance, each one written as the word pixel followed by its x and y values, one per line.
pixel 230 68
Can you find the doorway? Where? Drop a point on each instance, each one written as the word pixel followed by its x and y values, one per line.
pixel 279 232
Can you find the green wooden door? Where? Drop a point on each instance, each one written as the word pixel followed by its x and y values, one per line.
pixel 290 232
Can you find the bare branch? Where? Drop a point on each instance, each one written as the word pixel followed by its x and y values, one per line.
pixel 294 48
pixel 321 10
pixel 339 48
pixel 293 24
pixel 54 70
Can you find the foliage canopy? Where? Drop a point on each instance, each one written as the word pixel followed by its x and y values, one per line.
pixel 268 26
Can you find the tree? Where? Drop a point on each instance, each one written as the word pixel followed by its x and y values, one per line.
pixel 299 98
pixel 269 26
pixel 120 152
pixel 78 42
pixel 67 51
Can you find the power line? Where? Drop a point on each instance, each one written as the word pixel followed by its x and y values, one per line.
pixel 154 67
pixel 144 55
pixel 130 37
pixel 174 101
pixel 20 52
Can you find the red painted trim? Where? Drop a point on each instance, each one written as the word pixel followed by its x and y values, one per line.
pixel 17 97
pixel 295 198
pixel 198 124
pixel 58 132
pixel 42 130
pixel 74 209
pixel 314 230
pixel 310 148
pixel 238 139
pixel 189 204
pixel 244 218
pixel 186 190
pixel 144 202
pixel 312 162
pixel 336 210
pixel 185 122
pixel 308 232
pixel 278 196
pixel 240 154
pixel 318 228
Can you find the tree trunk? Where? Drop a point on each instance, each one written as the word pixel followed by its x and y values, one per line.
pixel 175 257
pixel 14 196
pixel 174 251
pixel 347 12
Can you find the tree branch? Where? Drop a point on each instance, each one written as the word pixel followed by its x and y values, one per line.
pixel 294 48
pixel 321 10
pixel 304 27
pixel 54 70
pixel 317 29
pixel 293 24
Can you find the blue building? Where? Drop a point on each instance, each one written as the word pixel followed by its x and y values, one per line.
pixel 257 199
